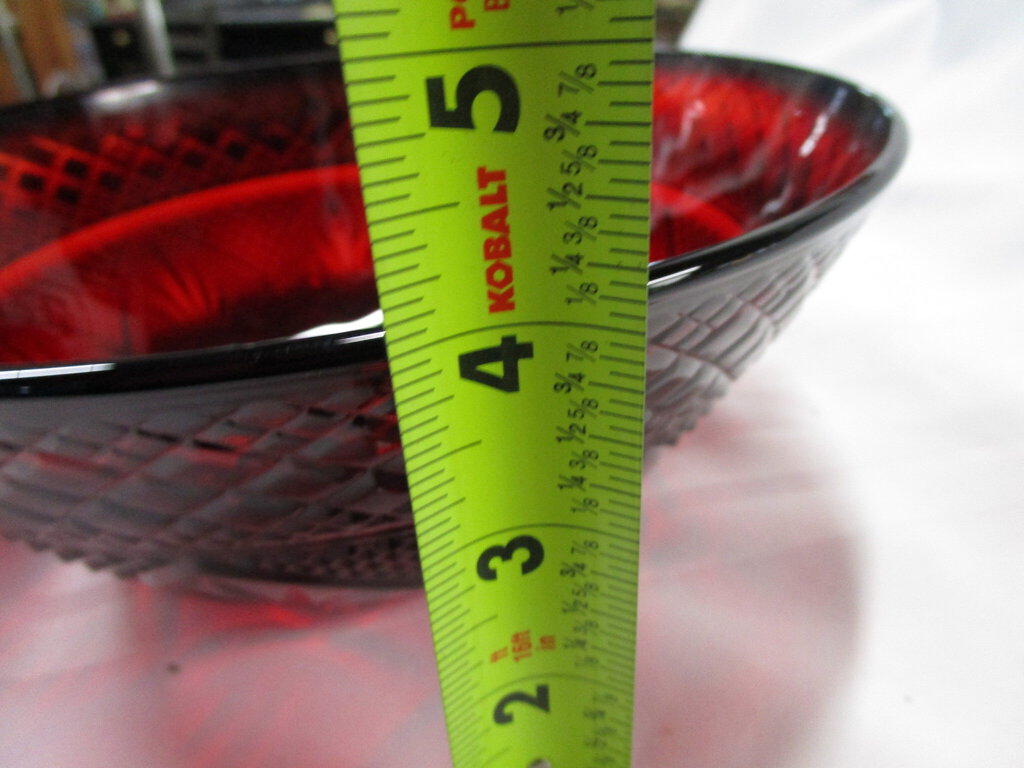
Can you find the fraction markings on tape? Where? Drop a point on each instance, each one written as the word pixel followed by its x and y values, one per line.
pixel 504 148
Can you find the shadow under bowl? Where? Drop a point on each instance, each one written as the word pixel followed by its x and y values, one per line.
pixel 192 369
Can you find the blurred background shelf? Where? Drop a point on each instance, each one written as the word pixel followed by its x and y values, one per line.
pixel 57 46
pixel 202 34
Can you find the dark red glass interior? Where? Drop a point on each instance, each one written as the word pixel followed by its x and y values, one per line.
pixel 141 222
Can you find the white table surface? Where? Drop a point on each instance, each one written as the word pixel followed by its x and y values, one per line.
pixel 833 562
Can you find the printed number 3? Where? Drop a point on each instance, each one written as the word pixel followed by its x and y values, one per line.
pixel 535 556
pixel 472 84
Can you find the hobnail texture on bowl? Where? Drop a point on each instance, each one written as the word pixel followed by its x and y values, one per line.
pixel 166 244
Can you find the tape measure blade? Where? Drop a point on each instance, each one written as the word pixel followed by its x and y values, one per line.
pixel 504 152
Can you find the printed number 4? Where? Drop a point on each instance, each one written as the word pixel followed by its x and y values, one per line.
pixel 541 700
pixel 472 84
pixel 509 352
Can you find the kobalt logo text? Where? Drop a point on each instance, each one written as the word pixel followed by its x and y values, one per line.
pixel 497 248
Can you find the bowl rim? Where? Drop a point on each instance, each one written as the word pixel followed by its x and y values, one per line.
pixel 805 223
pixel 283 356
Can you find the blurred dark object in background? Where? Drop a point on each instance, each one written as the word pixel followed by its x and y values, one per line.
pixel 671 20
pixel 204 34
pixel 44 50
pixel 49 47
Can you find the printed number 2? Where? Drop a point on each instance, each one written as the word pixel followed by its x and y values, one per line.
pixel 541 700
pixel 472 84
pixel 508 353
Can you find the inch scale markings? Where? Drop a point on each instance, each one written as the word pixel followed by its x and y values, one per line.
pixel 501 148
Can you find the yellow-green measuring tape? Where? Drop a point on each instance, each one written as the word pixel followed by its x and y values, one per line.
pixel 504 147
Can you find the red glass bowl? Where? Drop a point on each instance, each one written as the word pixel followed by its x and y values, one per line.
pixel 191 367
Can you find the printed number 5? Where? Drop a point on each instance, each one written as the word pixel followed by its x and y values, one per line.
pixel 472 84
pixel 535 556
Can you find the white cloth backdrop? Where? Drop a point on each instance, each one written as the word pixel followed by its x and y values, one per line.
pixel 912 355
pixel 833 561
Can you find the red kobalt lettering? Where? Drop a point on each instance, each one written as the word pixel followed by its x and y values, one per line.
pixel 497 247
